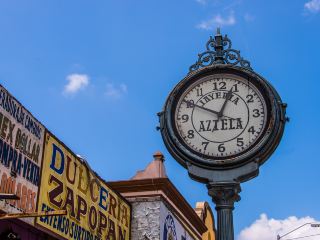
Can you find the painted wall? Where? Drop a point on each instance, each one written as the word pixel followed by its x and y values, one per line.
pixel 170 227
pixel 151 219
pixel 145 219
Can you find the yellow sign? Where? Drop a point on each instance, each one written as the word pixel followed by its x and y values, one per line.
pixel 94 210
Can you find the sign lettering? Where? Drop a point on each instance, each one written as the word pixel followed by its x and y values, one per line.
pixel 21 146
pixel 94 210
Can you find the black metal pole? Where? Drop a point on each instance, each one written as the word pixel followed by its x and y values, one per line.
pixel 224 195
pixel 218 48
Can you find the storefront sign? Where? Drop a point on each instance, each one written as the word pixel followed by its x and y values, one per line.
pixel 21 146
pixel 94 210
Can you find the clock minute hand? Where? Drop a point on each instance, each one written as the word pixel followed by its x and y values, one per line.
pixel 195 105
pixel 207 109
pixel 220 113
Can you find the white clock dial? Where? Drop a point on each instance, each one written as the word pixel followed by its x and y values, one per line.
pixel 221 115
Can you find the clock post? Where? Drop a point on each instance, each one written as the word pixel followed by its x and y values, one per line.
pixel 224 195
pixel 222 122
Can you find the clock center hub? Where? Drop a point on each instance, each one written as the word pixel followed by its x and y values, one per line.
pixel 231 124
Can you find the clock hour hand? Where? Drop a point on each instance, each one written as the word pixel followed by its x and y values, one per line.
pixel 220 113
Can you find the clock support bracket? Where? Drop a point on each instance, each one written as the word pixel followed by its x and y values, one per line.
pixel 241 174
pixel 224 188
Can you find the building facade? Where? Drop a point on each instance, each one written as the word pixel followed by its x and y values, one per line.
pixel 159 211
pixel 49 192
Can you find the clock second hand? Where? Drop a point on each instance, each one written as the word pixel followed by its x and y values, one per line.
pixel 207 109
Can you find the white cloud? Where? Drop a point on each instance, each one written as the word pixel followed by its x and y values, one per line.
pixel 76 82
pixel 116 92
pixel 218 21
pixel 266 229
pixel 312 6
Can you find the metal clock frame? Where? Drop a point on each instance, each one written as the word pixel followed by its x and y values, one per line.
pixel 259 152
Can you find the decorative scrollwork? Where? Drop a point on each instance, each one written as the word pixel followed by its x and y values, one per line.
pixel 226 42
pixel 204 59
pixel 219 51
pixel 211 44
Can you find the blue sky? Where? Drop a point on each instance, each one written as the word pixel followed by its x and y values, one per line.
pixel 95 73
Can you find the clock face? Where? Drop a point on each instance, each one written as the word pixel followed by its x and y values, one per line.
pixel 220 116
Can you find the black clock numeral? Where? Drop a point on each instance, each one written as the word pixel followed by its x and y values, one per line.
pixel 184 117
pixel 199 92
pixel 205 145
pixel 190 134
pixel 249 98
pixel 221 147
pixel 190 104
pixel 240 142
pixel 251 130
pixel 222 85
pixel 235 88
pixel 256 113
pixel 219 86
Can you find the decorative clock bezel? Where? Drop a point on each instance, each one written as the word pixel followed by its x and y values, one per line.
pixel 259 151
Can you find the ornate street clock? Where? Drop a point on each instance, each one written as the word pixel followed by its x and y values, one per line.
pixel 222 116
pixel 222 121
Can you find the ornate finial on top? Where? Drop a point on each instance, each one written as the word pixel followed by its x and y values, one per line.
pixel 216 54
